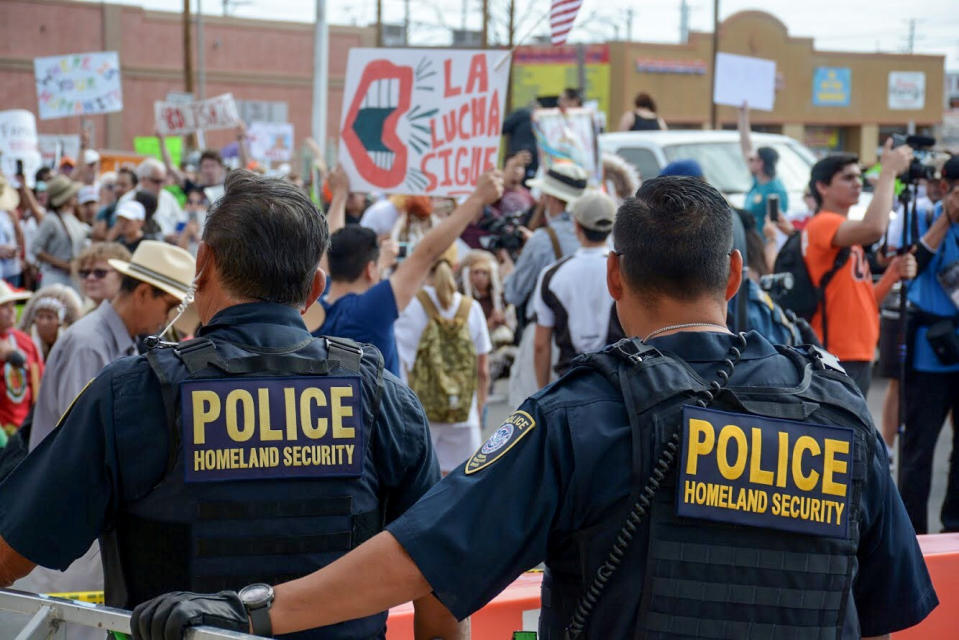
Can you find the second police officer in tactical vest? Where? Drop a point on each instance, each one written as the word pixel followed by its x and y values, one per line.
pixel 687 482
pixel 250 455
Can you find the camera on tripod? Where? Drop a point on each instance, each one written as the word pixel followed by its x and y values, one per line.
pixel 924 159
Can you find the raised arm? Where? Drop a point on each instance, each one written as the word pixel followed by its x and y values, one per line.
pixel 174 171
pixel 745 137
pixel 409 276
pixel 336 215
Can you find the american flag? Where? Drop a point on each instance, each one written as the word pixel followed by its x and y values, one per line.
pixel 562 14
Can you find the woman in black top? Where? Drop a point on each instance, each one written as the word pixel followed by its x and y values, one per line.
pixel 643 117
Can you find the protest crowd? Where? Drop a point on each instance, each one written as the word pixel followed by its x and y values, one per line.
pixel 486 296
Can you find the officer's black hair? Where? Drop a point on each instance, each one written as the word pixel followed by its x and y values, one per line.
pixel 674 239
pixel 267 237
pixel 351 249
pixel 824 171
pixel 149 202
pixel 128 284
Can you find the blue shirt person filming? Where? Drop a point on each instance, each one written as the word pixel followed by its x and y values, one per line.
pixel 743 472
pixel 252 454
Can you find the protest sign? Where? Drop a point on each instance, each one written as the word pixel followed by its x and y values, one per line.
pixel 567 137
pixel 78 84
pixel 743 79
pixel 18 141
pixel 907 90
pixel 53 146
pixel 174 118
pixel 150 146
pixel 271 141
pixel 421 121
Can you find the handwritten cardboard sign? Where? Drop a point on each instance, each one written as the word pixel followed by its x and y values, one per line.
pixel 567 137
pixel 18 141
pixel 78 84
pixel 420 121
pixel 174 118
pixel 271 141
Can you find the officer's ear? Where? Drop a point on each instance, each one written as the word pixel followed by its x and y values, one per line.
pixel 735 274
pixel 316 289
pixel 204 260
pixel 614 277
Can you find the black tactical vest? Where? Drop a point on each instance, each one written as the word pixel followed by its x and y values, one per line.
pixel 215 535
pixel 683 577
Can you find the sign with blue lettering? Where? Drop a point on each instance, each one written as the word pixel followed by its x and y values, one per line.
pixel 831 86
pixel 258 428
pixel 764 472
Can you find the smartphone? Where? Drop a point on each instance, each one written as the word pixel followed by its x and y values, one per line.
pixel 772 207
pixel 19 167
pixel 402 249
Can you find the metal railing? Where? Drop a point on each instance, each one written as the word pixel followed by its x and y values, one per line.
pixel 48 614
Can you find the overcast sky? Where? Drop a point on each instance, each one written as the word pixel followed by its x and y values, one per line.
pixel 852 25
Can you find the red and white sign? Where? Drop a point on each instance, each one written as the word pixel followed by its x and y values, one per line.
pixel 175 118
pixel 419 121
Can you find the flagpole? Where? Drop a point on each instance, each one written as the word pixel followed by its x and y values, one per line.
pixel 519 42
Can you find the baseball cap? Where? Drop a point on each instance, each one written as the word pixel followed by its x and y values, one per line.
pixel 689 168
pixel 87 194
pixel 950 170
pixel 131 210
pixel 90 156
pixel 595 211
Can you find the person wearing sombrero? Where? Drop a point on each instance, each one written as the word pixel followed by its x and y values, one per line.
pixel 155 280
pixel 60 236
pixel 21 363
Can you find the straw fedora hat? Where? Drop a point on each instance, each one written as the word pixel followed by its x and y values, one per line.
pixel 9 198
pixel 60 189
pixel 565 181
pixel 7 294
pixel 163 265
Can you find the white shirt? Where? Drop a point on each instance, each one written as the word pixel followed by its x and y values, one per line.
pixel 168 214
pixel 411 323
pixel 380 217
pixel 579 285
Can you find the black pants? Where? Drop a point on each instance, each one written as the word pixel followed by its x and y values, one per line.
pixel 860 372
pixel 929 398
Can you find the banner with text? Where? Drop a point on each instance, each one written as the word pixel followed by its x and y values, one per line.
pixel 568 136
pixel 421 121
pixel 271 141
pixel 78 84
pixel 18 142
pixel 174 118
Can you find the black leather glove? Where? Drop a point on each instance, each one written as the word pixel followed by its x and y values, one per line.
pixel 168 616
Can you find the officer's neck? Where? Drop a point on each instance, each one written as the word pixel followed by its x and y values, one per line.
pixel 642 317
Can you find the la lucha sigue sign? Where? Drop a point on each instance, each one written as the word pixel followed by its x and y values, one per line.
pixel 420 121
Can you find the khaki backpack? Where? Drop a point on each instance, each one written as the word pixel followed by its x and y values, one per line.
pixel 444 373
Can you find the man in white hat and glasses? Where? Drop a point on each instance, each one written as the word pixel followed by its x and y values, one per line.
pixel 155 281
pixel 560 187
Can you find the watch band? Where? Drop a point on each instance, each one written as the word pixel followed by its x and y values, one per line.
pixel 260 621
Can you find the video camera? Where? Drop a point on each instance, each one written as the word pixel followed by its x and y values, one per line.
pixel 503 232
pixel 924 161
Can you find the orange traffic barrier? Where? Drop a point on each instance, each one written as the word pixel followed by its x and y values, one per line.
pixel 515 609
pixel 942 559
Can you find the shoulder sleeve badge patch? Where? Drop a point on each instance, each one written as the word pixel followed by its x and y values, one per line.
pixel 513 429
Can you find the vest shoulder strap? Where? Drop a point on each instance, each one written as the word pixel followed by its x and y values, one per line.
pixel 554 240
pixel 463 313
pixel 431 311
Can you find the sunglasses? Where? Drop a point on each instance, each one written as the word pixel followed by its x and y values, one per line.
pixel 98 274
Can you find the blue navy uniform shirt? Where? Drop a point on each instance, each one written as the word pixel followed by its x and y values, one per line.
pixel 573 468
pixel 111 449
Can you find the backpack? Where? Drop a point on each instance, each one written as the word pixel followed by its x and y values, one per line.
pixel 804 298
pixel 444 373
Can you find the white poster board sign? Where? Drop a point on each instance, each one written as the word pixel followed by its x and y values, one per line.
pixel 18 141
pixel 743 79
pixel 78 84
pixel 54 146
pixel 907 90
pixel 175 118
pixel 271 141
pixel 421 121
pixel 567 137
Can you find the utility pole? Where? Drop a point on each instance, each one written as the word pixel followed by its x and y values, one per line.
pixel 379 23
pixel 200 63
pixel 712 73
pixel 187 49
pixel 629 25
pixel 406 22
pixel 512 25
pixel 911 38
pixel 684 22
pixel 484 37
pixel 321 51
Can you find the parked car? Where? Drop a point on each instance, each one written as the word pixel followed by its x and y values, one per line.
pixel 720 156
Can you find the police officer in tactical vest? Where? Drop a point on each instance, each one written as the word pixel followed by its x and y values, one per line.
pixel 686 482
pixel 250 455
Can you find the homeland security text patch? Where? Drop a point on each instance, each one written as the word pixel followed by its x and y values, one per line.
pixel 765 472
pixel 503 439
pixel 256 428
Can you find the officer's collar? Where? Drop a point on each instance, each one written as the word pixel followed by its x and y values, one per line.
pixel 709 346
pixel 254 312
